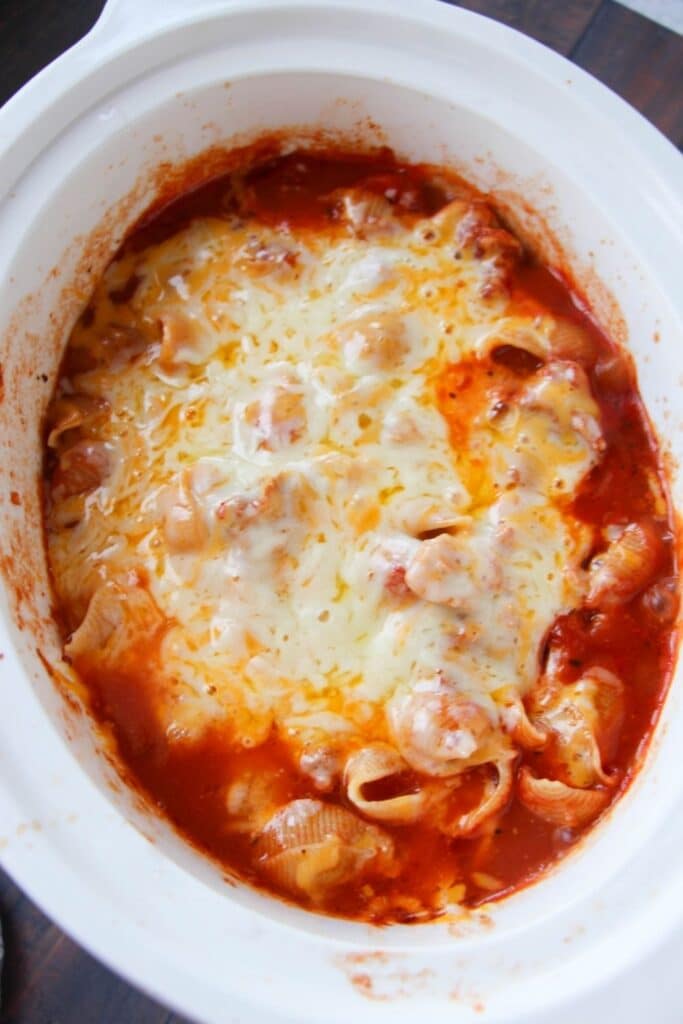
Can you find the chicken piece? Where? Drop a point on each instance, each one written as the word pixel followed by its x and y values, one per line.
pixel 184 525
pixel 279 418
pixel 322 765
pixel 251 799
pixel 179 341
pixel 288 495
pixel 366 214
pixel 442 571
pixel 374 341
pixel 388 563
pixel 439 730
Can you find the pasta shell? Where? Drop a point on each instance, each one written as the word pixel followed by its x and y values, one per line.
pixel 560 804
pixel 308 847
pixel 370 764
pixel 515 333
pixel 519 726
pixel 581 758
pixel 119 618
pixel 561 390
pixel 422 516
pixel 496 795
pixel 81 469
pixel 477 231
pixel 615 372
pixel 67 511
pixel 71 411
pixel 446 221
pixel 268 256
pixel 366 213
pixel 661 601
pixel 583 720
pixel 543 338
pixel 608 700
pixel 122 343
pixel 569 341
pixel 625 567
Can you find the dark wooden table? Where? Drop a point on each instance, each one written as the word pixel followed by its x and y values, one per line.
pixel 47 979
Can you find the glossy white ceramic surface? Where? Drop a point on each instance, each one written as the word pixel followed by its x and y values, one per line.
pixel 160 81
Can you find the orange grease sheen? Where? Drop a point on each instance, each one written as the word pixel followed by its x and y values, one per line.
pixel 187 780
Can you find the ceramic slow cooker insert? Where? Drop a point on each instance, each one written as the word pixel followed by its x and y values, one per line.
pixel 84 147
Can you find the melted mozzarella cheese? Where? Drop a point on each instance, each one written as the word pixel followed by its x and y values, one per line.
pixel 279 456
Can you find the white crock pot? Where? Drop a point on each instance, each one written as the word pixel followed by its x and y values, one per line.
pixel 158 81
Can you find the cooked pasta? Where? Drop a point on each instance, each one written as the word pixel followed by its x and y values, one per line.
pixel 333 530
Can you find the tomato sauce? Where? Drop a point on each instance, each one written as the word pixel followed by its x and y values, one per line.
pixel 187 781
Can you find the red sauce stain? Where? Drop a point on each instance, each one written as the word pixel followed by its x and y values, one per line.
pixel 384 979
pixel 363 983
pixel 15 497
pixel 372 956
pixel 187 779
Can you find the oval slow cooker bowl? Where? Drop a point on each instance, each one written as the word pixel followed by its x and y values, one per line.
pixel 158 82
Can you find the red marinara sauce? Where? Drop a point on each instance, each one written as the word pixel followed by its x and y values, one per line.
pixel 635 640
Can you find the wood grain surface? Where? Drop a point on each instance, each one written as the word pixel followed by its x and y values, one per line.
pixel 47 978
pixel 557 24
pixel 640 60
